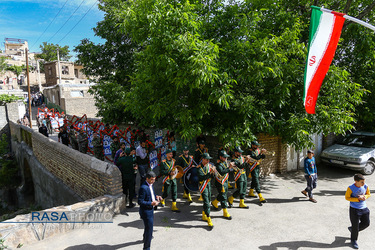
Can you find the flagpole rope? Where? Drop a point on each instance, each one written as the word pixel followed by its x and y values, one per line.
pixel 353 19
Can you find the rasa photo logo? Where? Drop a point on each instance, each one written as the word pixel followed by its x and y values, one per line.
pixel 70 217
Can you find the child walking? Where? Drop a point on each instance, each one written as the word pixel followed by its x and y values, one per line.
pixel 357 194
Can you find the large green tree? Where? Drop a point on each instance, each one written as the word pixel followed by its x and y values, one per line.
pixel 49 52
pixel 228 68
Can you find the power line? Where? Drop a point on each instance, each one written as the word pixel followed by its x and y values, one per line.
pixel 78 21
pixel 50 23
pixel 66 21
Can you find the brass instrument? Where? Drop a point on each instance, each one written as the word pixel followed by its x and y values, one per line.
pixel 215 172
pixel 265 152
pixel 177 171
pixel 234 167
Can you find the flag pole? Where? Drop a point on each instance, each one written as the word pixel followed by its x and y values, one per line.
pixel 350 18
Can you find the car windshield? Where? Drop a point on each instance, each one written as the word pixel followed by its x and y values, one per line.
pixel 364 141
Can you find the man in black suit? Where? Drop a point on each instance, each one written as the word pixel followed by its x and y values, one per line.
pixel 147 200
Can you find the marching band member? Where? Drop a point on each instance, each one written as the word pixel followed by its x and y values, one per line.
pixel 240 177
pixel 221 184
pixel 256 154
pixel 167 170
pixel 204 175
pixel 186 162
pixel 198 155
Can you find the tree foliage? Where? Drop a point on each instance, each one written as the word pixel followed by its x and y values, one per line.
pixel 5 98
pixel 49 52
pixel 227 68
pixel 3 64
pixel 16 69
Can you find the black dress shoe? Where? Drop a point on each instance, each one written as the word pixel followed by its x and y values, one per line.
pixel 131 205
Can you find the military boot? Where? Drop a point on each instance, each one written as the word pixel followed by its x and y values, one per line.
pixel 215 204
pixel 174 207
pixel 230 201
pixel 204 216
pixel 200 198
pixel 251 193
pixel 261 199
pixel 162 203
pixel 226 214
pixel 242 204
pixel 209 222
pixel 185 195
pixel 189 198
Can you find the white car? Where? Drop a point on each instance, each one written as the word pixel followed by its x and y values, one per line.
pixel 355 151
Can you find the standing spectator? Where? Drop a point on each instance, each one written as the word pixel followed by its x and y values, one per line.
pixel 142 160
pixel 43 130
pixel 172 144
pixel 73 138
pixel 127 165
pixel 311 175
pixel 82 141
pixel 357 194
pixel 64 136
pixel 147 201
pixel 37 121
pixel 118 153
pixel 49 125
pixel 98 146
pixel 25 121
pixel 115 145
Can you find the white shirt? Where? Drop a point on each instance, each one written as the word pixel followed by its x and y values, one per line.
pixel 141 152
pixel 152 191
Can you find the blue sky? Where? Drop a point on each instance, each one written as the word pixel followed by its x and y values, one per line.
pixel 28 19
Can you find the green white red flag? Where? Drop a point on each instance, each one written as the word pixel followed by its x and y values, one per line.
pixel 325 31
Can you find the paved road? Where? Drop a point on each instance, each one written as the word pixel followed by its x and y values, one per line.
pixel 287 221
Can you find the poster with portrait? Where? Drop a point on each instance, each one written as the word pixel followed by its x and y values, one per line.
pixel 153 157
pixel 107 144
pixel 163 151
pixel 54 123
pixel 90 136
pixel 158 138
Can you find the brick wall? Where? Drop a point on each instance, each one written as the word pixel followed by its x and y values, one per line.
pixel 278 162
pixel 85 175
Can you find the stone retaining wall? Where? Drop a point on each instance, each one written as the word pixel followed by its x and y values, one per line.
pixel 20 230
pixel 87 176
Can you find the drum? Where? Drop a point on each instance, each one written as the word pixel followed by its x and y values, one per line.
pixel 191 180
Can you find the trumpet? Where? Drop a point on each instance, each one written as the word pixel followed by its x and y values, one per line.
pixel 234 167
pixel 265 152
pixel 215 172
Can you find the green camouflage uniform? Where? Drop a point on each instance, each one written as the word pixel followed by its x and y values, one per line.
pixel 98 148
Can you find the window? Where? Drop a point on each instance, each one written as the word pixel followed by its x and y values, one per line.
pixel 49 70
pixel 76 93
pixel 65 70
pixel 76 72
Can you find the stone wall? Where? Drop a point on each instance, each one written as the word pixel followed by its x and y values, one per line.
pixel 87 176
pixel 19 230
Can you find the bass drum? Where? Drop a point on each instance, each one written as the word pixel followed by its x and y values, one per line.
pixel 191 180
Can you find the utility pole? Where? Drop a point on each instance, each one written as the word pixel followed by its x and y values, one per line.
pixel 28 87
pixel 58 65
pixel 39 81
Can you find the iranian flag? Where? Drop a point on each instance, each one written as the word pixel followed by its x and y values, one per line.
pixel 325 31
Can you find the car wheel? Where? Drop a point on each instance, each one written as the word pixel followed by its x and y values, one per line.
pixel 369 168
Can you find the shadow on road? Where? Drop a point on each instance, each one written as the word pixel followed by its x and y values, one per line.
pixel 104 246
pixel 295 245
